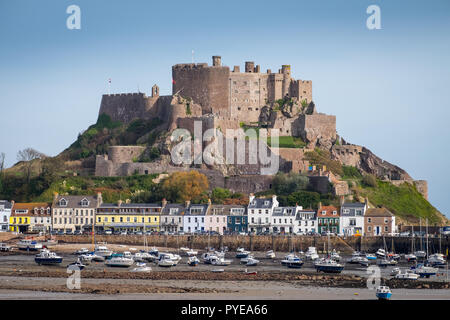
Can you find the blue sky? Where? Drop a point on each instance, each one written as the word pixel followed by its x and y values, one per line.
pixel 388 88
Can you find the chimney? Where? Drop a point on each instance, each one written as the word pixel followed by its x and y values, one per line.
pixel 217 61
pixel 55 196
pixel 99 199
pixel 320 206
pixel 187 203
pixel 251 197
pixel 164 202
pixel 342 200
pixel 119 203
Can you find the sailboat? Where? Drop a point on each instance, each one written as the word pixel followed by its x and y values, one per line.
pixel 411 256
pixel 420 254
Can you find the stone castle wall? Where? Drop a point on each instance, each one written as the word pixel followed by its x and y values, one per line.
pixel 316 128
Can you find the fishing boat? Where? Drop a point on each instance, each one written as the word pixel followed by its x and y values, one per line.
pixel 141 267
pixel 383 293
pixel 193 261
pixel 425 271
pixel 119 260
pixel 47 257
pixel 311 254
pixel 220 261
pixel 270 254
pixel 252 262
pixel 28 244
pixel 328 266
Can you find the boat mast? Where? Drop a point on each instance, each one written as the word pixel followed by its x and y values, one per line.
pixel 421 237
pixel 426 230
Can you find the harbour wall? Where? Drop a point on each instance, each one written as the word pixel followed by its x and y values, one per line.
pixel 262 243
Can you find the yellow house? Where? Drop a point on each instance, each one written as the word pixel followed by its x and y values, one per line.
pixel 30 217
pixel 129 217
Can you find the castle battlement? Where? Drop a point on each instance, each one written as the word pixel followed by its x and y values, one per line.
pixel 133 94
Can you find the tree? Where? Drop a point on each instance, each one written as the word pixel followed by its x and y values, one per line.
pixel 182 186
pixel 218 195
pixel 284 184
pixel 27 156
pixel 50 170
pixel 306 199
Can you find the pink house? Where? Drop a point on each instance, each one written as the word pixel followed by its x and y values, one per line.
pixel 216 219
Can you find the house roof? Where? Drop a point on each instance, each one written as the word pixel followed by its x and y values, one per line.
pixel 225 208
pixel 259 203
pixel 75 201
pixel 204 209
pixel 354 205
pixel 284 211
pixel 6 204
pixel 130 205
pixel 378 212
pixel 329 211
pixel 30 206
pixel 166 210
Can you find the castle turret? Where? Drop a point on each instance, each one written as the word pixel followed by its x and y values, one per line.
pixel 249 66
pixel 217 61
pixel 155 91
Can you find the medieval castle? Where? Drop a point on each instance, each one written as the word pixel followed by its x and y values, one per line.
pixel 228 99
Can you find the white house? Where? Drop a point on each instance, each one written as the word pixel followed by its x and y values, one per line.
pixel 260 213
pixel 194 217
pixel 352 218
pixel 5 213
pixel 283 219
pixel 305 222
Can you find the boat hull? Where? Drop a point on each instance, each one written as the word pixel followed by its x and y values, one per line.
pixel 294 265
pixel 384 295
pixel 48 261
pixel 330 269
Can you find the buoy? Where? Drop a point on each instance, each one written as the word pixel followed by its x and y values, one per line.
pixel 356 293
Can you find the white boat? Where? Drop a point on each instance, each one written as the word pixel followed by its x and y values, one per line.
pixel 4 247
pixel 193 261
pixel 289 259
pixel 220 261
pixel 218 270
pixel 437 260
pixel 311 254
pixel 47 257
pixel 81 251
pixel 241 253
pixel 102 251
pixel 141 267
pixel 270 254
pixel 142 256
pixel 165 261
pixel 420 254
pixel 407 275
pixel 395 271
pixel 85 258
pixel 28 244
pixel 174 258
pixel 381 253
pixel 191 252
pixel 358 260
pixel 425 272
pixel 383 293
pixel 207 257
pixel 117 260
pixel 184 249
pixel 252 262
pixel 410 257
pixel 246 259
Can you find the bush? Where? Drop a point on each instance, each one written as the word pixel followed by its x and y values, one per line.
pixel 370 180
pixel 350 172
pixel 285 184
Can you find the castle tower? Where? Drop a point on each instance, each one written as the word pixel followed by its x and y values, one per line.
pixel 249 66
pixel 155 91
pixel 286 71
pixel 217 61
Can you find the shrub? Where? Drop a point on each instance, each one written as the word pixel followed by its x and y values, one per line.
pixel 370 180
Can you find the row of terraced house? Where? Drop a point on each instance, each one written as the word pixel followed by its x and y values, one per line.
pixel 71 213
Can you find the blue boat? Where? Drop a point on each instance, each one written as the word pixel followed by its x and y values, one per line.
pixel 48 258
pixel 295 264
pixel 383 293
pixel 328 266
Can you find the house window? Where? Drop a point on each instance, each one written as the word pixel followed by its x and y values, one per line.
pixel 386 229
pixel 84 202
pixel 369 220
pixel 324 212
pixel 385 220
pixel 334 213
pixel 346 211
pixel 63 202
pixel 369 228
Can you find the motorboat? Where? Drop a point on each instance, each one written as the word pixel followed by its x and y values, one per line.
pixel 166 261
pixel 407 275
pixel 250 272
pixel 184 249
pixel 96 257
pixel 175 258
pixel 246 259
pixel 393 256
pixel 47 257
pixel 4 247
pixel 142 256
pixel 358 260
pixel 270 254
pixel 420 254
pixel 410 257
pixel 424 271
pixel 193 261
pixel 328 266
pixel 207 257
pixel 252 262
pixel 85 258
pixel 29 245
pixel 295 264
pixel 383 293
pixel 290 258
pixel 119 260
pixel 437 260
pixel 81 251
pixel 102 251
pixel 141 267
pixel 220 261
pixel 371 256
pixel 154 251
pixel 218 270
pixel 381 253
pixel 335 256
pixel 78 265
pixel 311 254
pixel 242 254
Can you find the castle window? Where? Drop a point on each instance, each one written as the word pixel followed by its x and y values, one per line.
pixel 250 109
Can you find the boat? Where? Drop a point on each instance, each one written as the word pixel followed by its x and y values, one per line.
pixel 436 260
pixel 102 251
pixel 295 264
pixel 328 266
pixel 252 262
pixel 154 251
pixel 381 253
pixel 81 251
pixel 141 267
pixel 242 253
pixel 217 270
pixel 193 261
pixel 4 247
pixel 78 265
pixel 184 249
pixel 371 256
pixel 270 254
pixel 408 275
pixel 410 257
pixel 311 254
pixel 86 258
pixel 47 257
pixel 335 256
pixel 142 256
pixel 119 260
pixel 220 261
pixel 425 271
pixel 29 245
pixel 250 272
pixel 393 256
pixel 207 257
pixel 191 252
pixel 290 258
pixel 165 261
pixel 174 258
pixel 245 260
pixel 384 263
pixel 383 293
pixel 358 260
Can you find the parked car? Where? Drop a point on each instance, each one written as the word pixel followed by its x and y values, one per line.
pixel 123 233
pixel 405 234
pixel 108 232
pixel 69 232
